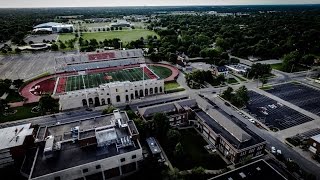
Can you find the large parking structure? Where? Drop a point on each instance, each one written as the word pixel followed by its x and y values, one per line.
pixel 95 79
pixel 307 98
pixel 274 114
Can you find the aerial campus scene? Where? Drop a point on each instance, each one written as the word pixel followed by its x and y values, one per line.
pixel 174 90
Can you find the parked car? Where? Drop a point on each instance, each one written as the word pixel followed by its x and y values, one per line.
pixel 279 152
pixel 273 150
pixel 251 120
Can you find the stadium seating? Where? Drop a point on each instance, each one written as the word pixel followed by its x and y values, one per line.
pixel 101 56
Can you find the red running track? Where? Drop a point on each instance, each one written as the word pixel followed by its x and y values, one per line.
pixel 31 98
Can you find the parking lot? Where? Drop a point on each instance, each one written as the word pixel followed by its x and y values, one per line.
pixel 40 38
pixel 27 65
pixel 300 95
pixel 274 114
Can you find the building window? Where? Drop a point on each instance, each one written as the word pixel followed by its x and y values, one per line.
pixel 116 90
pixel 126 90
pixel 134 156
pixel 123 159
pixel 118 98
pixel 85 170
pixel 98 166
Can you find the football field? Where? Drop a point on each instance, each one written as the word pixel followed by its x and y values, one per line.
pixel 94 80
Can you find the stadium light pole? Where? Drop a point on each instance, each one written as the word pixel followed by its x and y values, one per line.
pixel 144 88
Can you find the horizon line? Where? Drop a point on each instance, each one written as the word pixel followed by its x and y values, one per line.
pixel 185 5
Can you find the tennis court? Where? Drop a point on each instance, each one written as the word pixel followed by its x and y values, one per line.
pixel 94 80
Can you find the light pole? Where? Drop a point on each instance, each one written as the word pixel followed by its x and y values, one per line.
pixel 144 88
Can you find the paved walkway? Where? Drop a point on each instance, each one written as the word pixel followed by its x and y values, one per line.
pixel 16 104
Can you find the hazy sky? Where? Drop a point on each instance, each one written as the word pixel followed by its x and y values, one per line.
pixel 94 3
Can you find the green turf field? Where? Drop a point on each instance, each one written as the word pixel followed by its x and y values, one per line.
pixel 162 72
pixel 94 80
pixel 125 35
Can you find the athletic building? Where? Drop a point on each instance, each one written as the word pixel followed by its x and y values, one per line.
pixel 105 78
pixel 115 93
pixel 54 27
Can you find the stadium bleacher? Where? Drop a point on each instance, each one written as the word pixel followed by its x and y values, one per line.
pixel 106 59
pixel 101 56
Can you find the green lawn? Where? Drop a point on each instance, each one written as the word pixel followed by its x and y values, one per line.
pixel 239 77
pixel 266 87
pixel 195 153
pixel 231 81
pixel 22 113
pixel 162 72
pixel 277 66
pixel 66 37
pixel 296 68
pixel 171 85
pixel 125 35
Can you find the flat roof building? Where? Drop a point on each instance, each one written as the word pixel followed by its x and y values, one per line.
pixel 13 142
pixel 105 146
pixel 258 170
pixel 314 143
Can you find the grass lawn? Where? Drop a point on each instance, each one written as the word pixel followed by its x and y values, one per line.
pixel 171 85
pixel 239 77
pixel 162 72
pixel 266 87
pixel 232 81
pixel 125 35
pixel 195 153
pixel 277 66
pixel 22 113
pixel 66 37
pixel 296 68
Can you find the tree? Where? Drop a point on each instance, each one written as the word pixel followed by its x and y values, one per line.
pixel 227 94
pixel 160 126
pixel 308 59
pixel 264 80
pixel 289 61
pixel 17 83
pixel 173 137
pixel 54 47
pixel 62 45
pixel 48 104
pixel 3 105
pixel 242 95
pixel 179 151
pixel 108 110
pixel 17 50
pixel 173 174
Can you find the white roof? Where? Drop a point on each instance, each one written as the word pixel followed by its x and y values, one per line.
pixel 106 136
pixel 14 136
pixel 316 138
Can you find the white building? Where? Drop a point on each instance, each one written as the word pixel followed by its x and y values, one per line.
pixel 13 143
pixel 53 27
pixel 115 93
pixel 101 147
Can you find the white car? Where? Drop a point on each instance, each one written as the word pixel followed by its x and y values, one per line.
pixel 279 152
pixel 273 150
pixel 251 120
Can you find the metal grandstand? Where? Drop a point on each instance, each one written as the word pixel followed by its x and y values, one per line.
pixel 105 59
